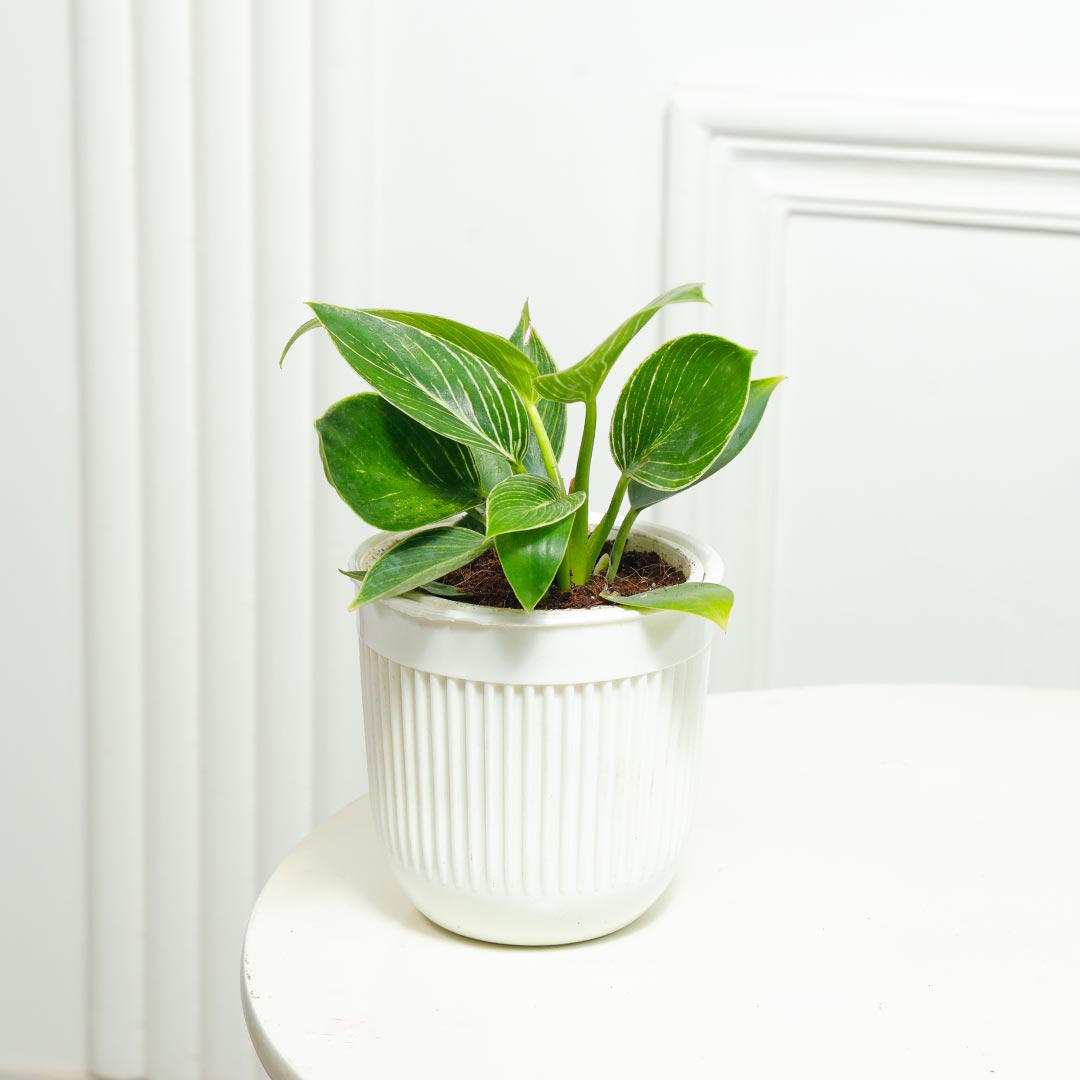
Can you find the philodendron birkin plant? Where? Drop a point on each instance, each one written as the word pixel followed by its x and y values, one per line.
pixel 531 771
pixel 469 427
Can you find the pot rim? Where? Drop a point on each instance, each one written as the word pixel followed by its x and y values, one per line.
pixel 700 561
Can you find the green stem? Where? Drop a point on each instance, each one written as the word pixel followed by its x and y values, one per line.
pixel 562 576
pixel 579 566
pixel 517 468
pixel 620 542
pixel 601 532
pixel 551 463
pixel 546 449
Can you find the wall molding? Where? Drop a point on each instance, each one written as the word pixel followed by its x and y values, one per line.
pixel 224 175
pixel 740 167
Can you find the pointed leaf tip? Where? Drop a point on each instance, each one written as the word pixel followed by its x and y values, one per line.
pixel 704 598
pixel 300 332
pixel 583 380
pixel 530 559
pixel 552 414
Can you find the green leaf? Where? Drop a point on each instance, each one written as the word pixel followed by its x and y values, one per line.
pixel 418 560
pixel 392 471
pixel 678 409
pixel 506 357
pixel 526 502
pixel 449 592
pixel 530 559
pixel 440 385
pixel 703 598
pixel 300 332
pixel 760 392
pixel 552 413
pixel 582 382
pixel 492 468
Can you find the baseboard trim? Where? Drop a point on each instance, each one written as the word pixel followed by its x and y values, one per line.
pixel 8 1072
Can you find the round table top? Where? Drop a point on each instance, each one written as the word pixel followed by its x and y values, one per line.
pixel 880 882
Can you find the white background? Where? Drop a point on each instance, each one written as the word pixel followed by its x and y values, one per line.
pixel 179 697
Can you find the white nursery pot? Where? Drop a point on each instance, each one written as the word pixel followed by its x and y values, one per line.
pixel 532 775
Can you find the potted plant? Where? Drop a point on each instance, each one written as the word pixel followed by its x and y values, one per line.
pixel 534 679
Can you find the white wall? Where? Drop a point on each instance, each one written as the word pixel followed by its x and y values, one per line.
pixel 908 511
pixel 187 172
pixel 42 789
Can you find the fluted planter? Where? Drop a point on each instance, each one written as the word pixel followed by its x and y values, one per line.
pixel 532 775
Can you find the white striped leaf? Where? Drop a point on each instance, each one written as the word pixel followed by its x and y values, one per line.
pixel 678 410
pixel 760 392
pixel 552 413
pixel 703 598
pixel 530 559
pixel 392 471
pixel 506 357
pixel 526 502
pixel 582 382
pixel 438 384
pixel 418 560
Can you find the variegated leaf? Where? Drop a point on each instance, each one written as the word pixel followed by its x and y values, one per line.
pixel 438 384
pixel 418 560
pixel 392 471
pixel 527 502
pixel 760 392
pixel 506 357
pixel 678 409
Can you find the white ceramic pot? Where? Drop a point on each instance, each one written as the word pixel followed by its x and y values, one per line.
pixel 532 775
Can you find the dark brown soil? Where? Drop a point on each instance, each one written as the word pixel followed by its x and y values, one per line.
pixel 483 579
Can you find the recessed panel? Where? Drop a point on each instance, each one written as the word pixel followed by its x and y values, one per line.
pixel 928 484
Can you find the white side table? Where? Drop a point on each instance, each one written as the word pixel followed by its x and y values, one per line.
pixel 882 882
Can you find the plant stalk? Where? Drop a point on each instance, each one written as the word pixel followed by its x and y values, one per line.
pixel 600 533
pixel 580 568
pixel 620 542
pixel 546 449
pixel 562 576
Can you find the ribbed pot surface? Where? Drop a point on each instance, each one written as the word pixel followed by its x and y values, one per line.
pixel 532 812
